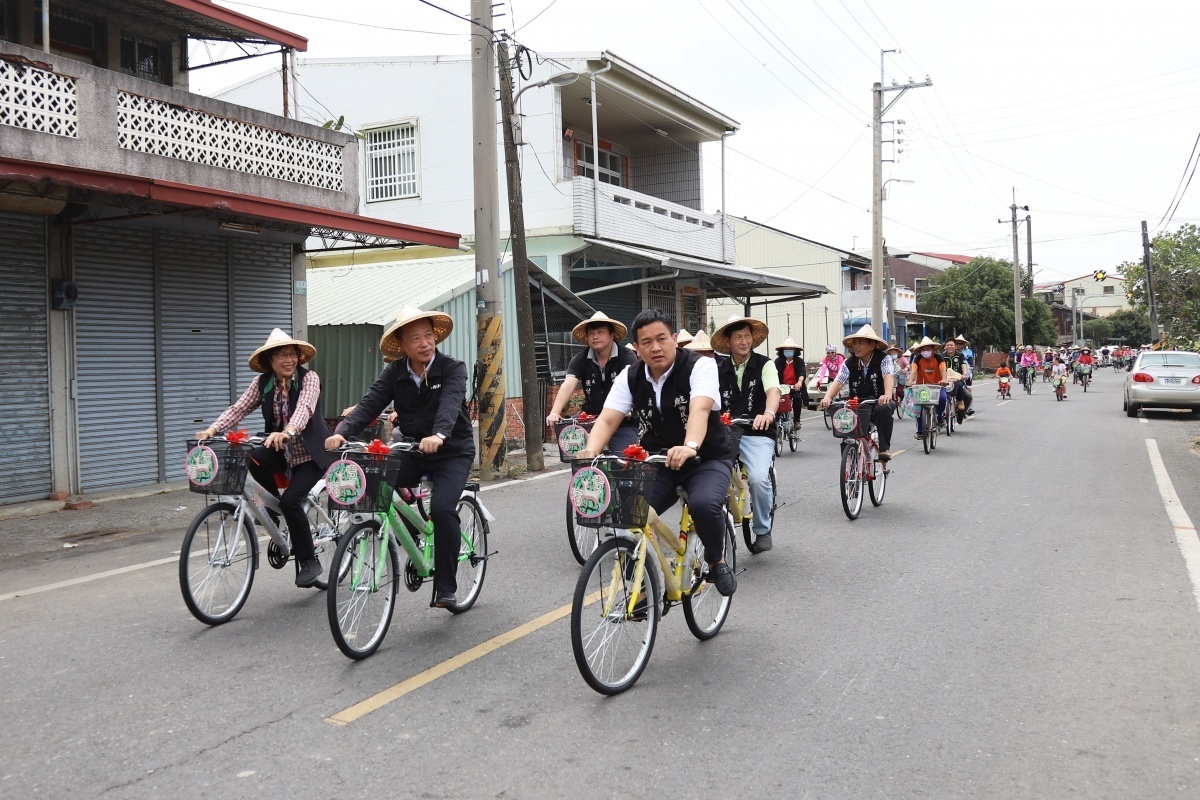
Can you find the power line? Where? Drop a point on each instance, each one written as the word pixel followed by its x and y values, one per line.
pixel 458 16
pixel 868 56
pixel 1182 193
pixel 1185 169
pixel 340 21
pixel 535 16
pixel 878 46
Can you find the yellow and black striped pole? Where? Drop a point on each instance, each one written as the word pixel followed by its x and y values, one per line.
pixel 492 428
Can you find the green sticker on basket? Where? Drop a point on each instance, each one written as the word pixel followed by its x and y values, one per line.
pixel 572 439
pixel 590 492
pixel 845 420
pixel 924 394
pixel 346 482
pixel 202 465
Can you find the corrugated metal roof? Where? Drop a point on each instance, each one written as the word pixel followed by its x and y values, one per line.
pixel 371 294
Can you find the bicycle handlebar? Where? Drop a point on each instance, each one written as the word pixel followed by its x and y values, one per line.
pixel 405 445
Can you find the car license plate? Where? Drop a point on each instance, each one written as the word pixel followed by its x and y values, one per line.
pixel 1172 380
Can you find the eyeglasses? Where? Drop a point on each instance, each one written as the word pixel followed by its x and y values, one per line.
pixel 288 355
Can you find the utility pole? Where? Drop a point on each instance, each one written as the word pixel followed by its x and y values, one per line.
pixel 530 402
pixel 1029 252
pixel 878 109
pixel 1018 320
pixel 890 333
pixel 1154 335
pixel 284 72
pixel 489 303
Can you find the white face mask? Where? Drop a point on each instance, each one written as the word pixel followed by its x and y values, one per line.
pixel 789 353
pixel 926 353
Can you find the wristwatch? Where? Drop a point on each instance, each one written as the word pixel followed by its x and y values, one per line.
pixel 441 436
pixel 290 432
pixel 694 445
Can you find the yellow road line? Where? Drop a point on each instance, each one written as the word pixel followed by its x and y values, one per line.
pixel 898 452
pixel 389 695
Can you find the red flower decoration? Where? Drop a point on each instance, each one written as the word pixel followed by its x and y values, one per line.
pixel 378 448
pixel 728 420
pixel 853 402
pixel 635 452
pixel 584 417
pixel 237 437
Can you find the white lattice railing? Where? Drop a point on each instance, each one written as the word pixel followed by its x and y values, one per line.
pixel 38 100
pixel 153 126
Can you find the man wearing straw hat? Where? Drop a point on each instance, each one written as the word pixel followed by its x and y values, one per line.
pixel 956 361
pixel 793 372
pixel 750 389
pixel 290 397
pixel 683 337
pixel 594 367
pixel 869 373
pixel 428 389
pixel 676 396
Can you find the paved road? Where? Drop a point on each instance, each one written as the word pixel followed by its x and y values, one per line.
pixel 1015 621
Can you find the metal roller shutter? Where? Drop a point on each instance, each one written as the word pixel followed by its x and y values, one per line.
pixel 115 355
pixel 262 299
pixel 621 304
pixel 194 332
pixel 24 360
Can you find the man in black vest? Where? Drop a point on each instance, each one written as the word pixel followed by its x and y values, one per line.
pixel 750 390
pixel 429 390
pixel 675 394
pixel 870 375
pixel 594 368
pixel 957 361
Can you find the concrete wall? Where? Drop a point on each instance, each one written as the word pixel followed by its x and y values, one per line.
pixel 97 148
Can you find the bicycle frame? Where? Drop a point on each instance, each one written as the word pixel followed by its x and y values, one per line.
pixel 649 539
pixel 257 501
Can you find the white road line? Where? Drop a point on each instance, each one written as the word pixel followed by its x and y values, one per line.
pixel 1143 420
pixel 1185 532
pixel 1003 402
pixel 524 480
pixel 88 578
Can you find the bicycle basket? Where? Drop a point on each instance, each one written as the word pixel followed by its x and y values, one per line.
pixel 851 423
pixel 216 467
pixel 611 493
pixel 571 436
pixel 735 433
pixel 362 482
pixel 925 394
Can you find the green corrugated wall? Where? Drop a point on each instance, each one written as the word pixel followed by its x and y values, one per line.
pixel 348 362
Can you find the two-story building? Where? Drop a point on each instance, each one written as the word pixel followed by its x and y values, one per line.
pixel 613 177
pixel 1099 298
pixel 152 237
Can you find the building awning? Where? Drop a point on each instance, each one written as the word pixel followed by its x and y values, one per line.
pixel 742 284
pixel 204 20
pixel 142 197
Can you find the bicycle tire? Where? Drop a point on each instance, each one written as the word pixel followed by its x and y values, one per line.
pixel 472 551
pixel 926 426
pixel 778 442
pixel 325 542
pixel 221 595
pixel 793 440
pixel 878 485
pixel 825 416
pixel 704 608
pixel 851 481
pixel 375 584
pixel 582 540
pixel 774 493
pixel 609 573
pixel 933 434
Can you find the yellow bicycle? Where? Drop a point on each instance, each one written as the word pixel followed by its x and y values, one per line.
pixel 631 580
pixel 739 503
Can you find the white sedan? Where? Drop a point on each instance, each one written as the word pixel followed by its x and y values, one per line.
pixel 1163 379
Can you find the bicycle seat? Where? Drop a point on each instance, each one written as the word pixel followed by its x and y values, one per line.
pixel 472 487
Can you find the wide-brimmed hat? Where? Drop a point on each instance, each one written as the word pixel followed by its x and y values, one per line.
pixel 789 344
pixel 683 337
pixel 579 332
pixel 953 375
pixel 720 337
pixel 961 340
pixel 926 342
pixel 279 339
pixel 868 333
pixel 700 342
pixel 390 344
pixel 893 346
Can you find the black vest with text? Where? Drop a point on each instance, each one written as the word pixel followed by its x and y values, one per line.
pixel 751 399
pixel 315 432
pixel 866 384
pixel 596 381
pixel 666 427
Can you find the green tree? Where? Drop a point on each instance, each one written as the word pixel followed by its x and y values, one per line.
pixel 1176 261
pixel 1130 326
pixel 978 298
pixel 1097 331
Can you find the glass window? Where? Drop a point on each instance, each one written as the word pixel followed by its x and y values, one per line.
pixel 1110 289
pixel 72 33
pixel 392 165
pixel 142 58
pixel 611 165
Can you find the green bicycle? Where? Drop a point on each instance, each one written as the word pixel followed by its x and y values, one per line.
pixel 362 599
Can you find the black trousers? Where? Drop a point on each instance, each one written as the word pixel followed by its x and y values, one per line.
pixel 883 417
pixel 707 485
pixel 264 464
pixel 448 475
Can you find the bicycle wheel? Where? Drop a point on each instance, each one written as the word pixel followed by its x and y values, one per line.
pixel 216 564
pixel 825 416
pixel 360 603
pixel 774 494
pixel 582 540
pixel 326 535
pixel 472 554
pixel 927 427
pixel 852 481
pixel 878 485
pixel 611 641
pixel 704 608
pixel 933 434
pixel 950 414
pixel 793 439
pixel 746 513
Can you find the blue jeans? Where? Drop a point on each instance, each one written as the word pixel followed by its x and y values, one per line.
pixel 941 412
pixel 757 453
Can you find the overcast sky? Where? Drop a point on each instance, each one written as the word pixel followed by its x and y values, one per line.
pixel 1089 109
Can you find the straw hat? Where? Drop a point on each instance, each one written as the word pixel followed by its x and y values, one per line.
pixel 390 345
pixel 891 347
pixel 580 330
pixel 700 343
pixel 280 339
pixel 789 344
pixel 926 342
pixel 868 333
pixel 961 340
pixel 683 338
pixel 720 337
pixel 953 375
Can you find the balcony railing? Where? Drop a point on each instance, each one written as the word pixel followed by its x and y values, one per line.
pixel 38 100
pixel 646 221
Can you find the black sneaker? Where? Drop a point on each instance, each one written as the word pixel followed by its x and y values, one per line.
pixel 762 543
pixel 443 599
pixel 721 576
pixel 309 573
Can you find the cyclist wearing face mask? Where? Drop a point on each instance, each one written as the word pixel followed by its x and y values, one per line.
pixel 792 371
pixel 928 368
pixel 831 365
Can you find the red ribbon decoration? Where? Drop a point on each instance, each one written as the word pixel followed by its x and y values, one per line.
pixel 237 437
pixel 378 448
pixel 635 452
pixel 728 420
pixel 584 417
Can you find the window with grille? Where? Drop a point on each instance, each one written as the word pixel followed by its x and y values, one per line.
pixel 72 33
pixel 392 169
pixel 611 165
pixel 662 294
pixel 1110 290
pixel 142 58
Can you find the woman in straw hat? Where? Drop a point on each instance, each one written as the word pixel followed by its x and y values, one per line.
pixel 290 398
pixel 750 389
pixel 701 344
pixel 929 369
pixel 429 390
pixel 594 367
pixel 869 374
pixel 793 372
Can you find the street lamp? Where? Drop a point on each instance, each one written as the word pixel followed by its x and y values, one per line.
pixel 894 180
pixel 558 79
